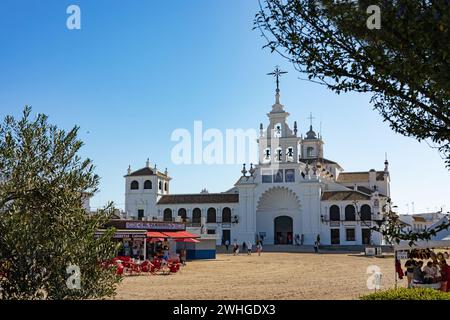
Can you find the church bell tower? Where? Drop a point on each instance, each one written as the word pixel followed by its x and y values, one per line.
pixel 278 143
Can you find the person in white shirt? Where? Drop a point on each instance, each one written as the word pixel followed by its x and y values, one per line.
pixel 135 252
pixel 249 247
pixel 227 243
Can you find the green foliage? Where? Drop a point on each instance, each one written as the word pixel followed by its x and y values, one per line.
pixel 404 64
pixel 408 294
pixel 43 225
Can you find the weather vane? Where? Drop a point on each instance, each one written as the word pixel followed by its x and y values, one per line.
pixel 277 73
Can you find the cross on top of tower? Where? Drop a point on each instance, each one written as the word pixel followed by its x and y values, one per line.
pixel 310 119
pixel 311 134
pixel 277 73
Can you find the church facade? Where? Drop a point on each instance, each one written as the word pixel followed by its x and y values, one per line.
pixel 293 195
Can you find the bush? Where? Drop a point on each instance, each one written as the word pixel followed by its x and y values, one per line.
pixel 408 294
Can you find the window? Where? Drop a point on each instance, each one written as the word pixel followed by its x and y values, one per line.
pixel 134 185
pixel 350 235
pixel 160 185
pixel 182 214
pixel 211 215
pixel 211 231
pixel 267 176
pixel 350 213
pixel 310 152
pixel 335 214
pixel 167 215
pixel 289 175
pixel 290 154
pixel 277 133
pixel 366 212
pixel 278 154
pixel 140 214
pixel 335 236
pixel 166 186
pixel 197 216
pixel 278 176
pixel 147 184
pixel 366 235
pixel 266 155
pixel 226 215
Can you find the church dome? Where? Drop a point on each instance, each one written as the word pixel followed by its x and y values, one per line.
pixel 311 134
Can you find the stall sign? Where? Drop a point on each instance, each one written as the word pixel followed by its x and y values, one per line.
pixel 154 226
pixel 127 235
pixel 402 255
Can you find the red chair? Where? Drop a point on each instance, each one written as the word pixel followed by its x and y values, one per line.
pixel 174 267
pixel 155 265
pixel 120 269
pixel 160 266
pixel 146 266
pixel 174 260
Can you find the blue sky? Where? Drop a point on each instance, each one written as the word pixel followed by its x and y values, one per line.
pixel 139 69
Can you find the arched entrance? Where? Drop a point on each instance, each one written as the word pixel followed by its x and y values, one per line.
pixel 283 230
pixel 278 216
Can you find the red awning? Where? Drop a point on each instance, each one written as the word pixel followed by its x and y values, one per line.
pixel 187 240
pixel 180 235
pixel 156 234
pixel 171 234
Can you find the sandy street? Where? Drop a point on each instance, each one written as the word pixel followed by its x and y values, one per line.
pixel 270 276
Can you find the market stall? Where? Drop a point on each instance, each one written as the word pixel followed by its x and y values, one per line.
pixel 162 241
pixel 161 237
pixel 133 242
pixel 425 251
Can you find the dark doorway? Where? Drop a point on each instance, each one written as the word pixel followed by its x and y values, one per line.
pixel 366 234
pixel 335 236
pixel 226 235
pixel 283 230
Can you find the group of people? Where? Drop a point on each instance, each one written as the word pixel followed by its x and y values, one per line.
pixel 435 270
pixel 163 253
pixel 133 250
pixel 247 246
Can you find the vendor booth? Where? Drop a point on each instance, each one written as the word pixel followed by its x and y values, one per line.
pixel 133 242
pixel 145 239
pixel 423 250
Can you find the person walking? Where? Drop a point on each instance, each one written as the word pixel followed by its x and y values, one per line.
pixel 249 247
pixel 235 248
pixel 227 244
pixel 135 252
pixel 445 275
pixel 259 248
pixel 410 265
pixel 183 256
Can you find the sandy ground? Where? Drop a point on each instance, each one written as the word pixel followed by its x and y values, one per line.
pixel 269 276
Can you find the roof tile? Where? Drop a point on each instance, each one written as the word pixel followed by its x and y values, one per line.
pixel 344 195
pixel 199 198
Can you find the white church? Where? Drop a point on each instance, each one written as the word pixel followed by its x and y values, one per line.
pixel 292 196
